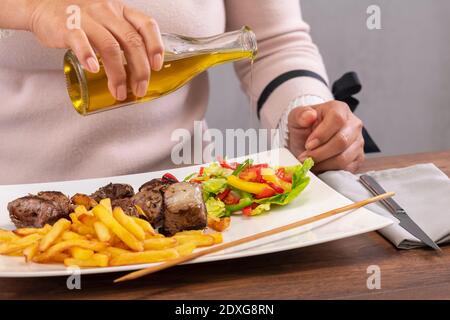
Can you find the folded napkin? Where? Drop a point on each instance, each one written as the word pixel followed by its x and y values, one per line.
pixel 422 190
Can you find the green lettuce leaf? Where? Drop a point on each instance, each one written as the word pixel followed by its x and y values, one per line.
pixel 299 182
pixel 215 208
pixel 261 209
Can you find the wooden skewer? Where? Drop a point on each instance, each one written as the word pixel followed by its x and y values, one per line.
pixel 195 255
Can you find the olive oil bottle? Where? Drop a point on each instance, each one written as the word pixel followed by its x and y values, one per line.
pixel 184 58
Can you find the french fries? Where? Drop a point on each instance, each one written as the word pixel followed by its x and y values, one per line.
pixel 129 223
pixel 58 228
pixel 105 216
pixel 149 256
pixel 100 237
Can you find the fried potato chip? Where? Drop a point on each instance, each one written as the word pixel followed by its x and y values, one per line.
pixel 96 260
pixel 114 251
pixel 58 228
pixel 159 243
pixel 149 256
pixel 66 245
pixel 7 235
pixel 145 225
pixel 108 219
pixel 81 253
pixel 202 240
pixel 218 238
pixel 19 244
pixel 30 251
pixel 128 223
pixel 27 231
pixel 107 204
pixel 102 231
pixel 70 235
pixel 185 249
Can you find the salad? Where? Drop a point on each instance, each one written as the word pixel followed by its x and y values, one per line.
pixel 247 188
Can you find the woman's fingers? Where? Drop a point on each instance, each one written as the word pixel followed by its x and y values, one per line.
pixel 336 145
pixel 110 51
pixel 134 48
pixel 79 43
pixel 334 116
pixel 348 160
pixel 149 30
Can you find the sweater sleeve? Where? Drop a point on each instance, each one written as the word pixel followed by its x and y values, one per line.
pixel 284 44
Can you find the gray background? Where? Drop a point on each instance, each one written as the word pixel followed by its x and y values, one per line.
pixel 404 68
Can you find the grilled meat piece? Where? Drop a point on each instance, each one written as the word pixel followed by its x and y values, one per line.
pixel 38 210
pixel 113 191
pixel 127 206
pixel 84 200
pixel 184 208
pixel 151 202
pixel 155 184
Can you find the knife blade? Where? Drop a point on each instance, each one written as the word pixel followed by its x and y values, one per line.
pixel 398 212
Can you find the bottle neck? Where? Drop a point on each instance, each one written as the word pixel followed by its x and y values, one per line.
pixel 180 47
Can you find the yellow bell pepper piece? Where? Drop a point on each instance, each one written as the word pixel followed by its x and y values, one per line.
pixel 274 179
pixel 247 186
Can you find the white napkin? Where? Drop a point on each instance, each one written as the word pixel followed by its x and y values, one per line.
pixel 422 190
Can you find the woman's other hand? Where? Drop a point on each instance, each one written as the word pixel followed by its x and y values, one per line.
pixel 109 28
pixel 329 133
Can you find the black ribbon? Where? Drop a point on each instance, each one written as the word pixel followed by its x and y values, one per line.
pixel 343 90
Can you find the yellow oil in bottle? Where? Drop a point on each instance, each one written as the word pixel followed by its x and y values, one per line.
pixel 89 91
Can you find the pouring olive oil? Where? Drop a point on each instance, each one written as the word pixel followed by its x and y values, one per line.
pixel 184 58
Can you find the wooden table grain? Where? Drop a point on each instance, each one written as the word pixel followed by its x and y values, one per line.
pixel 334 270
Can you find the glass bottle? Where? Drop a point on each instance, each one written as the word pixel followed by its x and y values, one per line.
pixel 184 58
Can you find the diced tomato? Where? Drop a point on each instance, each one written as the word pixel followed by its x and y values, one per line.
pixel 169 177
pixel 247 211
pixel 277 189
pixel 266 193
pixel 281 173
pixel 231 198
pixel 254 205
pixel 252 174
pixel 223 194
pixel 200 172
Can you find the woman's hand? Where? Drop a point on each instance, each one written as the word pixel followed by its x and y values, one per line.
pixel 329 133
pixel 108 27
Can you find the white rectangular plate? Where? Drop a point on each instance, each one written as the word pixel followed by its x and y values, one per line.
pixel 315 199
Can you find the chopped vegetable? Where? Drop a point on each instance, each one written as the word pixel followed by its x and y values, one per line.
pixel 245 202
pixel 252 187
pixel 215 208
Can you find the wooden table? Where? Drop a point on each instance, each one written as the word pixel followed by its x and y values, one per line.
pixel 332 270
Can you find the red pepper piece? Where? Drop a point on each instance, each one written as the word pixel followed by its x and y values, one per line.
pixel 200 172
pixel 252 174
pixel 266 193
pixel 169 177
pixel 277 189
pixel 226 165
pixel 247 211
pixel 281 173
pixel 231 198
pixel 223 194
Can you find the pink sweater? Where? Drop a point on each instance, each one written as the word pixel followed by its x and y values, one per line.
pixel 43 139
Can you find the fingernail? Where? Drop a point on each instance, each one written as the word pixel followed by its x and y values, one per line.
pixel 93 65
pixel 157 62
pixel 141 89
pixel 302 157
pixel 121 92
pixel 312 144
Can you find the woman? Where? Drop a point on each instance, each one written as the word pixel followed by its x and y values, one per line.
pixel 43 139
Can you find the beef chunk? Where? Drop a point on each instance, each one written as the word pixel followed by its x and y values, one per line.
pixel 113 191
pixel 151 202
pixel 156 184
pixel 38 210
pixel 184 208
pixel 127 206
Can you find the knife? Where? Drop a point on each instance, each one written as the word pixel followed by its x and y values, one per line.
pixel 398 212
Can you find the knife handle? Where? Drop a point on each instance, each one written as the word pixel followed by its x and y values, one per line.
pixel 372 185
